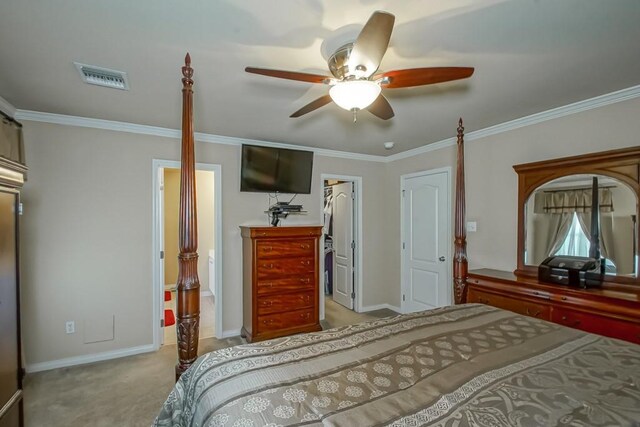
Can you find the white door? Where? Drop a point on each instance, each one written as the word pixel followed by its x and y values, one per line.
pixel 343 244
pixel 425 243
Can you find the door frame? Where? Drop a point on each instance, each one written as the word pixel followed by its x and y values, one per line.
pixel 403 279
pixel 357 233
pixel 157 235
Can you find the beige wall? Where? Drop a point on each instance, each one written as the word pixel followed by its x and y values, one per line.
pixel 206 226
pixel 491 183
pixel 86 233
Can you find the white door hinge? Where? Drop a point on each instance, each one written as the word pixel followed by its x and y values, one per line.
pixel 161 254
pixel 403 297
pixel 403 246
pixel 162 323
pixel 20 209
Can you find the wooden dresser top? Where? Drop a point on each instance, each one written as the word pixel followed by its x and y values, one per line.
pixel 618 292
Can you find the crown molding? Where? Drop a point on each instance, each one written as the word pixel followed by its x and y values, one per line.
pixel 7 108
pixel 424 149
pixel 576 107
pixel 554 113
pixel 65 120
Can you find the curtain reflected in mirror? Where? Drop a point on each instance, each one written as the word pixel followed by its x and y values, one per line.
pixel 558 222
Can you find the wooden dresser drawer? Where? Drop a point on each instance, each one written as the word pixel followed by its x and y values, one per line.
pixel 291 319
pixel 595 324
pixel 293 283
pixel 527 308
pixel 284 266
pixel 277 303
pixel 280 288
pixel 278 249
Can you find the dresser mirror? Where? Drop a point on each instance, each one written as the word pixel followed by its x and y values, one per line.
pixel 558 222
pixel 554 211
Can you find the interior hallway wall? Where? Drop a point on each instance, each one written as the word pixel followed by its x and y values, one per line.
pixel 171 218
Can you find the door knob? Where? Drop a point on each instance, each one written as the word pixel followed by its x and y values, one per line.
pixel 441 259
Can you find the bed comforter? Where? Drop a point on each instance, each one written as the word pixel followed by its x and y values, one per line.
pixel 466 365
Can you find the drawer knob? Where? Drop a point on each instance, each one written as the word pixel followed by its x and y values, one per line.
pixel 304 246
pixel 267 322
pixel 267 248
pixel 306 280
pixel 534 314
pixel 304 316
pixel 270 285
pixel 570 322
pixel 267 265
pixel 267 303
pixel 307 262
pixel 305 298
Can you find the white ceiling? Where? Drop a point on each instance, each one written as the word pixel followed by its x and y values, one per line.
pixel 529 55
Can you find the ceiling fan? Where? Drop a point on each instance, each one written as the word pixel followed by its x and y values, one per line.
pixel 355 84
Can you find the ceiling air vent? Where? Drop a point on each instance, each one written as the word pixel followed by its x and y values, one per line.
pixel 103 76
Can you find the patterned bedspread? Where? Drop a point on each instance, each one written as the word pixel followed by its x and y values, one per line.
pixel 466 365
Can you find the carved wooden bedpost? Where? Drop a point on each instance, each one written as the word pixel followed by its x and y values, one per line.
pixel 460 264
pixel 188 284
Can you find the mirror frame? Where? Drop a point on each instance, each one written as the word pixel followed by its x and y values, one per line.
pixel 623 165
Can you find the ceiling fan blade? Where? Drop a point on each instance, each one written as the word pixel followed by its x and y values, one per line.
pixel 423 76
pixel 371 44
pixel 381 108
pixel 289 75
pixel 313 105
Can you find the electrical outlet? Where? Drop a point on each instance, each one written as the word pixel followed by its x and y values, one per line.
pixel 70 327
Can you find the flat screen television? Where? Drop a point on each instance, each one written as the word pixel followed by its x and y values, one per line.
pixel 270 170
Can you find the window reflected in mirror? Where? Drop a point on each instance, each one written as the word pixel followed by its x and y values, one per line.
pixel 558 222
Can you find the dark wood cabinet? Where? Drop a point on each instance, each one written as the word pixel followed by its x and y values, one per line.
pixel 280 281
pixel 610 311
pixel 11 412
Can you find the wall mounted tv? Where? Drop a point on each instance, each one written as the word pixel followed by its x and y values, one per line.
pixel 270 170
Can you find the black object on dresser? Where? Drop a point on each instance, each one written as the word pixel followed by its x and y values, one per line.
pixel 12 174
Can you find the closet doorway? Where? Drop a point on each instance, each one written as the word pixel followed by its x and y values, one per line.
pixel 340 266
pixel 166 200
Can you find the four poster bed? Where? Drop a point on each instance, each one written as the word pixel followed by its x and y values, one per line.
pixel 468 364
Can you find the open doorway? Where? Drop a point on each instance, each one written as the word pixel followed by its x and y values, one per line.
pixel 340 266
pixel 166 247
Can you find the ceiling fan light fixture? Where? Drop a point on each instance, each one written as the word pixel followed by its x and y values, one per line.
pixel 355 94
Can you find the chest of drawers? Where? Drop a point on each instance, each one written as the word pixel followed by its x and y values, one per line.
pixel 611 312
pixel 280 281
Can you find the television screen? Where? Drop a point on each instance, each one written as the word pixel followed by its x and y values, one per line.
pixel 270 170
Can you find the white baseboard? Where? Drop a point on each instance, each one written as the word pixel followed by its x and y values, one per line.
pixel 89 358
pixel 379 307
pixel 231 333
